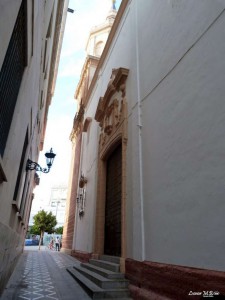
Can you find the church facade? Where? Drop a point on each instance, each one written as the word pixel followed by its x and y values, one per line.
pixel 147 174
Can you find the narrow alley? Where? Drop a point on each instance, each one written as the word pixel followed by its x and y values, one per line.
pixel 112 148
pixel 42 275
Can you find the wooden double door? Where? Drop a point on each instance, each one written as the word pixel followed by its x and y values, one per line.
pixel 112 245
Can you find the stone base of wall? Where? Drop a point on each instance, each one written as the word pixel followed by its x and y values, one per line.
pixel 81 256
pixel 150 280
pixel 66 251
pixel 11 246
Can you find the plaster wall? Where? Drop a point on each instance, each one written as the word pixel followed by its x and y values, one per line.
pixel 181 96
pixel 27 105
pixel 85 225
pixel 28 116
pixel 183 177
pixel 175 171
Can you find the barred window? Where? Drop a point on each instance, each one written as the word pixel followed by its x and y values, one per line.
pixel 11 74
pixel 21 167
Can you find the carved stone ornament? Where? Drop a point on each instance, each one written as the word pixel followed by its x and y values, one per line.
pixel 86 124
pixel 111 110
pixel 77 122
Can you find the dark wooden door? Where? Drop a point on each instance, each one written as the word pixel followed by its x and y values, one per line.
pixel 113 203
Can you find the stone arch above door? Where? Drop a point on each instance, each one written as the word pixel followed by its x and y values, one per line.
pixel 111 114
pixel 111 111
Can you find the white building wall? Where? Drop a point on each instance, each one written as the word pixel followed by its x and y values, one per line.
pixel 28 115
pixel 175 93
pixel 183 121
pixel 27 105
pixel 84 226
pixel 181 93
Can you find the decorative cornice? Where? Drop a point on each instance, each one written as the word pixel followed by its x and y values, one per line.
pixel 116 83
pixel 89 60
pixel 100 110
pixel 77 122
pixel 86 124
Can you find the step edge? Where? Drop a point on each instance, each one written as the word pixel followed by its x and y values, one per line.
pixel 105 262
pixel 110 257
pixel 99 277
pixel 93 287
pixel 99 289
pixel 106 272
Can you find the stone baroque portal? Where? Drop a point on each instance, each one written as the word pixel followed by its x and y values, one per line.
pixel 112 110
pixel 111 114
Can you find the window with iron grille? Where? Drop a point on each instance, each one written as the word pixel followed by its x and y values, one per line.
pixel 21 167
pixel 11 74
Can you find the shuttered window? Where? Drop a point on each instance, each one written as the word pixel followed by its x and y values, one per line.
pixel 11 75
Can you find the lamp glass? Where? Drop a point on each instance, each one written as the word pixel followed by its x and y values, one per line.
pixel 49 158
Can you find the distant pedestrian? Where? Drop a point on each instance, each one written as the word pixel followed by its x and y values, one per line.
pixel 57 243
pixel 51 244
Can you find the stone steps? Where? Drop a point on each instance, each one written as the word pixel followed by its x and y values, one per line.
pixel 112 259
pixel 102 279
pixel 105 265
pixel 102 271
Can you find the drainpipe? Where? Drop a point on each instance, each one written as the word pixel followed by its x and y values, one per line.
pixel 140 136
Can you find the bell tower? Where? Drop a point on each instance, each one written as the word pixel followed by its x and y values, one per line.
pixel 99 34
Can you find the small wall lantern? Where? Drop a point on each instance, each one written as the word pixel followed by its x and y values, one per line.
pixel 31 165
pixel 82 181
pixel 81 196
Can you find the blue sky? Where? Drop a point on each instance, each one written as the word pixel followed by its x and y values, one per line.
pixel 86 14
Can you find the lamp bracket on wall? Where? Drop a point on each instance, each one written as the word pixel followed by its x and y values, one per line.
pixel 31 165
pixel 81 196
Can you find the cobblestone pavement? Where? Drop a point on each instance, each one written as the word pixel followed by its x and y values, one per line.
pixel 41 274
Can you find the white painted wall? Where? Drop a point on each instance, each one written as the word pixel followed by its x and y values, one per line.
pixel 175 91
pixel 28 99
pixel 27 115
pixel 85 226
pixel 183 126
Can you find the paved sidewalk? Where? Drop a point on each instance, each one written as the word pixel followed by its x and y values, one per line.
pixel 42 275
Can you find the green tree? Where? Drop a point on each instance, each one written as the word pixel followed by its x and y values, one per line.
pixel 44 222
pixel 34 230
pixel 59 230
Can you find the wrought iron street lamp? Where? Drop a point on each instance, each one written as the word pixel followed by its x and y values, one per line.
pixel 31 165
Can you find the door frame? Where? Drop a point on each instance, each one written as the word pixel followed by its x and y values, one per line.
pixel 111 114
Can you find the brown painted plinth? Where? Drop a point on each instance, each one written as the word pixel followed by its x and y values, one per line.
pixel 81 256
pixel 150 280
pixel 66 251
